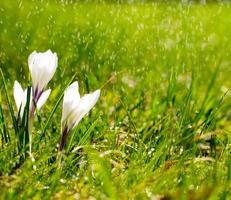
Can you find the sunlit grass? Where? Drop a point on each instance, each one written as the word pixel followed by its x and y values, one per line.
pixel 162 124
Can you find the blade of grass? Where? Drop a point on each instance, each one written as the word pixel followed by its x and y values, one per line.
pixel 9 104
pixel 207 94
pixel 85 136
pixel 4 132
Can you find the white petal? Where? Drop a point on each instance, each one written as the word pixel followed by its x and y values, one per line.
pixel 43 98
pixel 42 67
pixel 18 94
pixel 70 101
pixel 20 97
pixel 31 59
pixel 86 103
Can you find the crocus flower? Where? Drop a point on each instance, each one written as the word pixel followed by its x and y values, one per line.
pixel 74 109
pixel 20 97
pixel 42 68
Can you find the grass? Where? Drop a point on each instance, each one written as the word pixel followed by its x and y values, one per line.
pixel 161 128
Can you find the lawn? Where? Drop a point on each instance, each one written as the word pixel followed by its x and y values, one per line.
pixel 161 128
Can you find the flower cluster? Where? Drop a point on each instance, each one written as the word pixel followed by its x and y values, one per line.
pixel 42 68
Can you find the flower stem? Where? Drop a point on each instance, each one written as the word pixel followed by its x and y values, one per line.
pixel 30 126
pixel 59 159
pixel 63 139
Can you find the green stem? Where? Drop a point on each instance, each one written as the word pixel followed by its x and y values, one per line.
pixel 30 126
pixel 59 158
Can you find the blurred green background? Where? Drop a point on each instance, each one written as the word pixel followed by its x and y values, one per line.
pixel 164 68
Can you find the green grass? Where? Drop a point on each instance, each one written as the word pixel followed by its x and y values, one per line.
pixel 162 124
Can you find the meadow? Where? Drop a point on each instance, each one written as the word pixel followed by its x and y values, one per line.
pixel 161 127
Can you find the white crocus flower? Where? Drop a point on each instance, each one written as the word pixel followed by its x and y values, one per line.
pixel 75 108
pixel 20 97
pixel 42 68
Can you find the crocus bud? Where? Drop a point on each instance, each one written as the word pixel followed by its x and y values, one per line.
pixel 42 68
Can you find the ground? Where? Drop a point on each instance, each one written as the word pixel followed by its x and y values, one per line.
pixel 161 128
